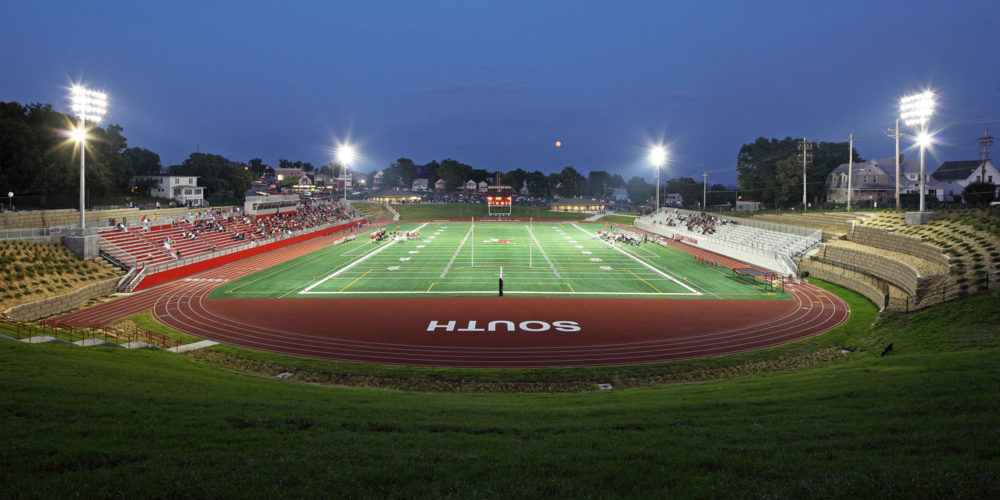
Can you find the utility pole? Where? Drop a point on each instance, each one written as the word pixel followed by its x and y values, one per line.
pixel 806 148
pixel 895 134
pixel 850 168
pixel 704 187
pixel 984 156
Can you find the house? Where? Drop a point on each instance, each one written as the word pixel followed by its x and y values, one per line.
pixel 956 175
pixel 524 189
pixel 470 185
pixel 420 184
pixel 440 185
pixel 483 186
pixel 378 179
pixel 875 181
pixel 182 189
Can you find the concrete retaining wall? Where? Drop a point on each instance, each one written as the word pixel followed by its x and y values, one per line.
pixel 898 273
pixel 62 303
pixel 888 240
pixel 868 290
pixel 95 218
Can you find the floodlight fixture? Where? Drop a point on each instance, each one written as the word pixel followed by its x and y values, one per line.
pixel 345 155
pixel 87 105
pixel 78 134
pixel 924 139
pixel 915 110
pixel 658 155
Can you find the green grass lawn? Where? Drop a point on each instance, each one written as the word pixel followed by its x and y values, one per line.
pixel 424 211
pixel 920 422
pixel 618 219
pixel 460 258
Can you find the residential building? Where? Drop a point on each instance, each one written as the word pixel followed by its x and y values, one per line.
pixel 182 189
pixel 955 175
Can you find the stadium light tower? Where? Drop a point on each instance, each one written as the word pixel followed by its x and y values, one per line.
pixel 88 105
pixel 915 111
pixel 658 156
pixel 345 155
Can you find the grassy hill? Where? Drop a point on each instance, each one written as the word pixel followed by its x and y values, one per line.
pixel 921 422
pixel 33 271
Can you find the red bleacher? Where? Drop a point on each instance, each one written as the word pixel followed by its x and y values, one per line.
pixel 141 247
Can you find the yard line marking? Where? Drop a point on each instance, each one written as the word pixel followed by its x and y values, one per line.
pixel 646 264
pixel 540 249
pixel 358 278
pixel 353 263
pixel 644 281
pixel 454 256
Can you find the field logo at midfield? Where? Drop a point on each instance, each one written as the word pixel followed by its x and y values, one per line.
pixel 509 326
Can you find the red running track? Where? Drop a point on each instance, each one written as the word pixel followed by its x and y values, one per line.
pixel 475 331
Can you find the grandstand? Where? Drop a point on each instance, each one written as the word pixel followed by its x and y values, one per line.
pixel 140 246
pixel 770 245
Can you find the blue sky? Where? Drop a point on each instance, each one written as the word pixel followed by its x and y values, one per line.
pixel 495 84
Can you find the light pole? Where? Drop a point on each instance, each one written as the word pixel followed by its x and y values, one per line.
pixel 88 105
pixel 345 155
pixel 658 156
pixel 10 201
pixel 915 111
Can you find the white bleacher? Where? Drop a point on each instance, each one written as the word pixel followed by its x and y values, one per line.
pixel 766 247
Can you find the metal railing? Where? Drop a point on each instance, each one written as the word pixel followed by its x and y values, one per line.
pixel 29 331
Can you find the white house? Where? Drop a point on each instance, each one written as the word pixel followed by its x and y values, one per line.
pixel 470 185
pixel 955 175
pixel 420 184
pixel 183 189
pixel 483 186
pixel 439 185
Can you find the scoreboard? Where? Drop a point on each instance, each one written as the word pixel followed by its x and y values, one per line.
pixel 499 199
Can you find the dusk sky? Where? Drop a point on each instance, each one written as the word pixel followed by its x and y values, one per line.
pixel 496 84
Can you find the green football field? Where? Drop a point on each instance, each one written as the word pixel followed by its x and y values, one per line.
pixel 564 259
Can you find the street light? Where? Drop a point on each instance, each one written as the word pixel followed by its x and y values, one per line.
pixel 915 111
pixel 10 200
pixel 345 155
pixel 88 105
pixel 658 156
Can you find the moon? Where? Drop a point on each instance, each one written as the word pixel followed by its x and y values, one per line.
pixel 558 144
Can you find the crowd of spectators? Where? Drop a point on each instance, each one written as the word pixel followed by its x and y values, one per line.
pixel 702 223
pixel 305 217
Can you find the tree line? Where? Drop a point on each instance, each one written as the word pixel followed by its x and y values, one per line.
pixel 770 170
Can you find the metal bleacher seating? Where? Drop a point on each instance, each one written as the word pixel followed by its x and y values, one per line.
pixel 141 245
